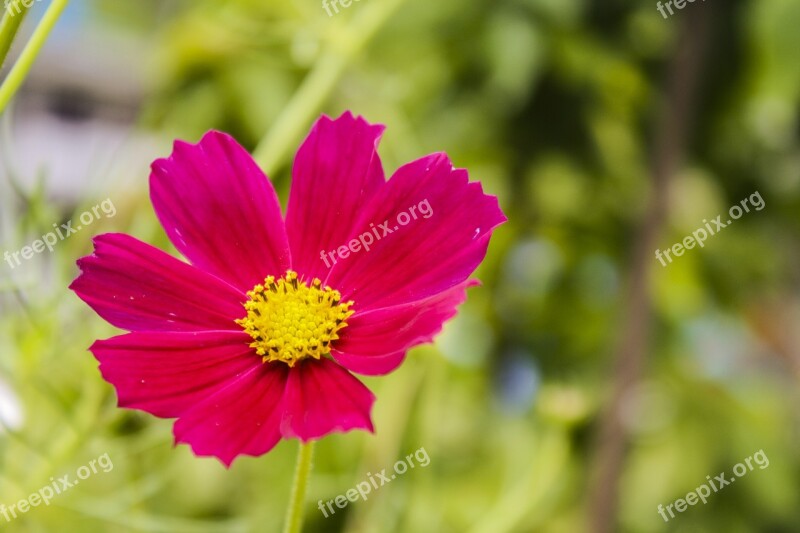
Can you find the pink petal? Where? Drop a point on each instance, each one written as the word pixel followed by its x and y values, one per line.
pixel 137 287
pixel 336 171
pixel 427 255
pixel 167 374
pixel 322 397
pixel 220 210
pixel 370 365
pixel 375 342
pixel 240 419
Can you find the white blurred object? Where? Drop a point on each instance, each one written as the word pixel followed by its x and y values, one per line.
pixel 11 415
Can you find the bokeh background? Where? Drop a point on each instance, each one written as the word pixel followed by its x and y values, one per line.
pixel 580 387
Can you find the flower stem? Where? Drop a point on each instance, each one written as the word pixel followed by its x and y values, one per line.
pixel 12 20
pixel 294 513
pixel 320 82
pixel 23 65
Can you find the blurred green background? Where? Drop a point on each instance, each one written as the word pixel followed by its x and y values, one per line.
pixel 580 387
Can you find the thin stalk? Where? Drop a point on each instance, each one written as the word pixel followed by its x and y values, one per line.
pixel 9 26
pixel 23 65
pixel 319 83
pixel 294 513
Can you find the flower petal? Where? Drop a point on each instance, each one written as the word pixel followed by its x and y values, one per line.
pixel 336 171
pixel 220 210
pixel 137 287
pixel 240 419
pixel 449 222
pixel 374 342
pixel 369 365
pixel 322 397
pixel 167 374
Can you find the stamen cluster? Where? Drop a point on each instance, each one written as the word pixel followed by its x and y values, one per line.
pixel 290 320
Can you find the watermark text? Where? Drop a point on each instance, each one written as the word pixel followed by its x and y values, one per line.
pixel 363 488
pixel 63 231
pixel 702 492
pixel 699 236
pixel 368 238
pixel 55 487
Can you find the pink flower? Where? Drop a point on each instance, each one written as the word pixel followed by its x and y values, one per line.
pixel 256 339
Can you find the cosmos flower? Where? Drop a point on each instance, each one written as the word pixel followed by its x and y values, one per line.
pixel 257 337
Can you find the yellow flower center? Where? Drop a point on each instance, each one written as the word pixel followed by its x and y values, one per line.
pixel 290 320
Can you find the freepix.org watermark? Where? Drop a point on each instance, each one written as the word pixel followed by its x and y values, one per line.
pixel 14 7
pixel 699 236
pixel 56 487
pixel 63 231
pixel 679 4
pixel 366 239
pixel 327 5
pixel 363 488
pixel 702 492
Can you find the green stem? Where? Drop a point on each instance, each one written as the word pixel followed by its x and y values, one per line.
pixel 294 513
pixel 318 84
pixel 12 20
pixel 23 65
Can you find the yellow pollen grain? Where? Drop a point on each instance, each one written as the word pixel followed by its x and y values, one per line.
pixel 289 320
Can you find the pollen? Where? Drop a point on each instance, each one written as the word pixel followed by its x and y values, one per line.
pixel 290 320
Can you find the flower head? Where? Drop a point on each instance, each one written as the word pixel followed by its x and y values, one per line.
pixel 255 339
